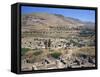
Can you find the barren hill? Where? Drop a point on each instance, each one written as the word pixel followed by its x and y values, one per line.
pixel 50 25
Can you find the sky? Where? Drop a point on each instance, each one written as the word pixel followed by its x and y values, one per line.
pixel 83 15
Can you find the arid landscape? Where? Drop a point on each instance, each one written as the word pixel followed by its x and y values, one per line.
pixel 53 41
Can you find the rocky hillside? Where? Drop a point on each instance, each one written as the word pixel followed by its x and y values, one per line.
pixel 51 25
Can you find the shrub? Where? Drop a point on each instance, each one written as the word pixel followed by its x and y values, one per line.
pixel 56 54
pixel 24 50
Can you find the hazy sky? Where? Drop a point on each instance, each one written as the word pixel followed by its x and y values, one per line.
pixel 83 15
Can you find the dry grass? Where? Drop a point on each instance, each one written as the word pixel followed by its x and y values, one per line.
pixel 40 54
pixel 89 51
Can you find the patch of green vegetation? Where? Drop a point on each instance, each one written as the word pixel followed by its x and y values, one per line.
pixel 56 54
pixel 86 33
pixel 24 50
